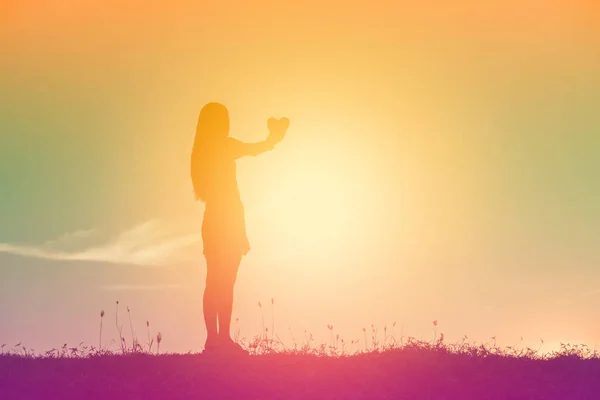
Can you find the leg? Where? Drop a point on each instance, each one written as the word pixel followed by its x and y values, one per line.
pixel 227 279
pixel 210 300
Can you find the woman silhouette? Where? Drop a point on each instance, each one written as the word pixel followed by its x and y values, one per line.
pixel 213 173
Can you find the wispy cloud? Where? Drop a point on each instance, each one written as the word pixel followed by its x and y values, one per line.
pixel 70 238
pixel 124 287
pixel 147 244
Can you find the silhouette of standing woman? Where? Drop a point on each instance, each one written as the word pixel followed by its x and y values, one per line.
pixel 213 172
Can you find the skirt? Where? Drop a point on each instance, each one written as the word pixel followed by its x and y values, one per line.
pixel 224 232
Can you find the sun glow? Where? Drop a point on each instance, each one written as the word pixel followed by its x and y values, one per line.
pixel 320 205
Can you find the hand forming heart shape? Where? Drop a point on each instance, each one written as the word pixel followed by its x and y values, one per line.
pixel 277 127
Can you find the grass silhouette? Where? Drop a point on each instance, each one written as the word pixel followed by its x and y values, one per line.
pixel 385 367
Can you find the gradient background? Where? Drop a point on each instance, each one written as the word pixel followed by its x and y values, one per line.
pixel 443 163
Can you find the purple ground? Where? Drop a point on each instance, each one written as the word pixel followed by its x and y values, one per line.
pixel 402 374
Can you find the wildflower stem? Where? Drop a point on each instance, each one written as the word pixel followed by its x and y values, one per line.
pixel 133 341
pixel 272 319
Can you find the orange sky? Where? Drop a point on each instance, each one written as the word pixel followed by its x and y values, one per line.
pixel 439 164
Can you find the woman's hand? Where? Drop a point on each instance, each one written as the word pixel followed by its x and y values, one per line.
pixel 277 129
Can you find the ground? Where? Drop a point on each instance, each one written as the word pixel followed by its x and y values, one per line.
pixel 394 374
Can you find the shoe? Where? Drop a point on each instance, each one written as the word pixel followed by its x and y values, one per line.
pixel 211 347
pixel 229 347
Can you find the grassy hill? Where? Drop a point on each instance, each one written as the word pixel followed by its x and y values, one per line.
pixel 415 370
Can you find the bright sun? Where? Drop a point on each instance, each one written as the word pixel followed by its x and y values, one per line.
pixel 318 207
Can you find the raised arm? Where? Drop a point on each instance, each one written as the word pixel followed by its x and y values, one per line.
pixel 240 149
pixel 277 130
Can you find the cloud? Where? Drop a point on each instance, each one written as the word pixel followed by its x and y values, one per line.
pixel 148 244
pixel 124 287
pixel 71 238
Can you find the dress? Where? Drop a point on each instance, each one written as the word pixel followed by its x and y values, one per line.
pixel 224 225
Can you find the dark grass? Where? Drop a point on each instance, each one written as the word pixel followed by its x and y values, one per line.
pixel 413 370
pixel 361 369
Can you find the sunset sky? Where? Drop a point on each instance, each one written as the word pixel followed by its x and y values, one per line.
pixel 442 163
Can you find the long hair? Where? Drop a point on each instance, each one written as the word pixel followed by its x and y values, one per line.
pixel 212 128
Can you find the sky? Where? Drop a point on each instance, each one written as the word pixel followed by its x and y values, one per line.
pixel 442 163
